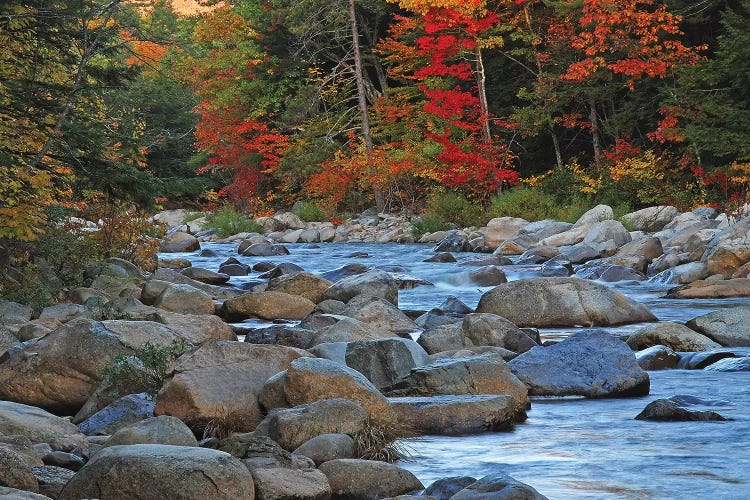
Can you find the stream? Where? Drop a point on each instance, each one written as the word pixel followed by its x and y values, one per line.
pixel 569 448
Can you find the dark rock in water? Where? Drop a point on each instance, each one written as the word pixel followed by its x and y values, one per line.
pixel 498 487
pixel 374 282
pixel 207 252
pixel 537 255
pixel 700 360
pixel 731 365
pixel 121 413
pixel 484 329
pixel 488 276
pixel 180 242
pixel 65 460
pixel 393 268
pixel 610 273
pixel 407 281
pixel 385 361
pixel 557 266
pixel 454 242
pixel 280 270
pixel 492 260
pixel 441 257
pixel 358 255
pixel 444 489
pixel 205 276
pixel 665 410
pixel 286 335
pixel 263 266
pixel 452 304
pixel 234 269
pixel 344 271
pixel 688 400
pixel 265 250
pixel 658 357
pixel 435 317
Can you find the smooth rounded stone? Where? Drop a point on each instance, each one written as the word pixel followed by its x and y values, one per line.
pixel 698 241
pixel 65 460
pixel 285 484
pixel 658 357
pixel 444 489
pixel 234 269
pixel 156 430
pixel 498 487
pixel 184 299
pixel 666 410
pixel 263 250
pixel 309 236
pixel 180 242
pixel 13 313
pixel 51 479
pixel 480 374
pixel 302 283
pixel 682 274
pixel 267 305
pixel 488 276
pixel 491 260
pixel 270 224
pixel 452 304
pixel 509 247
pixel 262 452
pixel 385 361
pixel 330 307
pixel 540 302
pixel 701 360
pixel 23 447
pixel 335 351
pixel 196 329
pixel 585 252
pixel 597 214
pixel 500 229
pixel 558 266
pixel 610 273
pixel 355 479
pixel 290 220
pixel 484 329
pixel 456 415
pixel 174 263
pixel 36 329
pixel 15 472
pixel 435 317
pixel 444 337
pixel 222 378
pixel 345 271
pixel 730 365
pixel 161 471
pixel 40 426
pixel 152 289
pixel 537 255
pixel 712 289
pixel 272 394
pixel 285 335
pixel 312 379
pixel 729 327
pixel 206 276
pixel 373 282
pixel 281 270
pixel 663 263
pixel 215 292
pixel 591 363
pixel 294 426
pixel 442 257
pixel 729 249
pixel 673 335
pixel 327 447
pixel 347 329
pixel 433 237
pixel 263 266
pixel 64 312
pixel 454 242
pixel 650 219
pixel 379 314
pixel 601 232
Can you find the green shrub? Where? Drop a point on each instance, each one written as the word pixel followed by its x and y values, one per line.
pixel 308 212
pixel 191 216
pixel 226 221
pixel 527 203
pixel 144 371
pixel 429 224
pixel 456 209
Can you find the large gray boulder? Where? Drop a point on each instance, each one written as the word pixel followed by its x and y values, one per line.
pixel 500 229
pixel 542 302
pixel 284 484
pixel 729 249
pixel 40 426
pixel 729 327
pixel 673 335
pixel 658 357
pixel 373 282
pixel 267 305
pixel 385 361
pixel 444 337
pixel 650 219
pixel 597 214
pixel 184 299
pixel 379 314
pixel 15 472
pixel 180 242
pixel 121 413
pixel 152 471
pixel 155 430
pixel 327 447
pixel 305 284
pixel 498 487
pixel 493 330
pixel 591 363
pixel 12 313
pixel 355 479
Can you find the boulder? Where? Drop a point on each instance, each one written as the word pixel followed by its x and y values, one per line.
pixel 492 330
pixel 267 305
pixel 24 448
pixel 51 479
pixel 666 410
pixel 609 273
pixel 488 276
pixel 638 254
pixel 15 472
pixel 530 235
pixel 500 229
pixel 607 230
pixel 590 363
pixel 172 276
pixel 161 471
pixel 498 487
pixel 568 237
pixel 444 337
pixel 263 250
pixel 312 379
pixel 281 270
pixel 712 289
pixel 13 313
pixel 184 299
pixel 456 415
pixel 673 335
pixel 206 276
pixel 327 447
pixel 442 257
pixel 658 357
pixel 290 220
pixel 597 214
pixel 730 365
pixel 650 219
pixel 39 426
pixel 121 413
pixel 561 302
pixel 729 249
pixel 222 379
pixel 180 242
pixel 444 489
pixel 355 479
pixel 385 361
pixel 285 484
pixel 478 374
pixel 346 329
pixel 294 426
pixel 302 283
pixel 454 242
pixel 701 360
pixel 379 314
pixel 729 327
pixel 196 329
pixel 373 282
pixel 345 271
pixel 155 430
pixel 262 452
pixel 175 263
pixel 62 459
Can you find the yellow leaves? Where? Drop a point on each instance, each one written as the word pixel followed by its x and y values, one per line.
pixel 462 6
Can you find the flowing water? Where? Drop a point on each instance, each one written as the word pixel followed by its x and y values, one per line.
pixel 569 448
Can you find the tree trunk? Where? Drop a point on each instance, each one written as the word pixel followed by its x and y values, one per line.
pixel 379 199
pixel 484 117
pixel 556 143
pixel 595 133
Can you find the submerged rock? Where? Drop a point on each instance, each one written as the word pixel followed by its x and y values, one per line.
pixel 666 410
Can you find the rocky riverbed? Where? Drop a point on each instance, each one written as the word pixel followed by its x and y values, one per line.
pixel 520 350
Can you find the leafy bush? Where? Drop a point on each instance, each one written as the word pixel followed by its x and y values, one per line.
pixel 456 209
pixel 527 203
pixel 191 216
pixel 144 371
pixel 226 221
pixel 429 223
pixel 308 212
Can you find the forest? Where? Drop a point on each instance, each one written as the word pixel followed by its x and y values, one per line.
pixel 452 109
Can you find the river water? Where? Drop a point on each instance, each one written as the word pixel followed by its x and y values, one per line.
pixel 569 448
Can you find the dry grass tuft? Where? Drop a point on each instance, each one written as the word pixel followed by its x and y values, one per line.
pixel 383 439
pixel 228 421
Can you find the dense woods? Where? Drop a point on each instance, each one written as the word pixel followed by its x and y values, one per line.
pixel 399 103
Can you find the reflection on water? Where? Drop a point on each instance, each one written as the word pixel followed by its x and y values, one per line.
pixel 571 448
